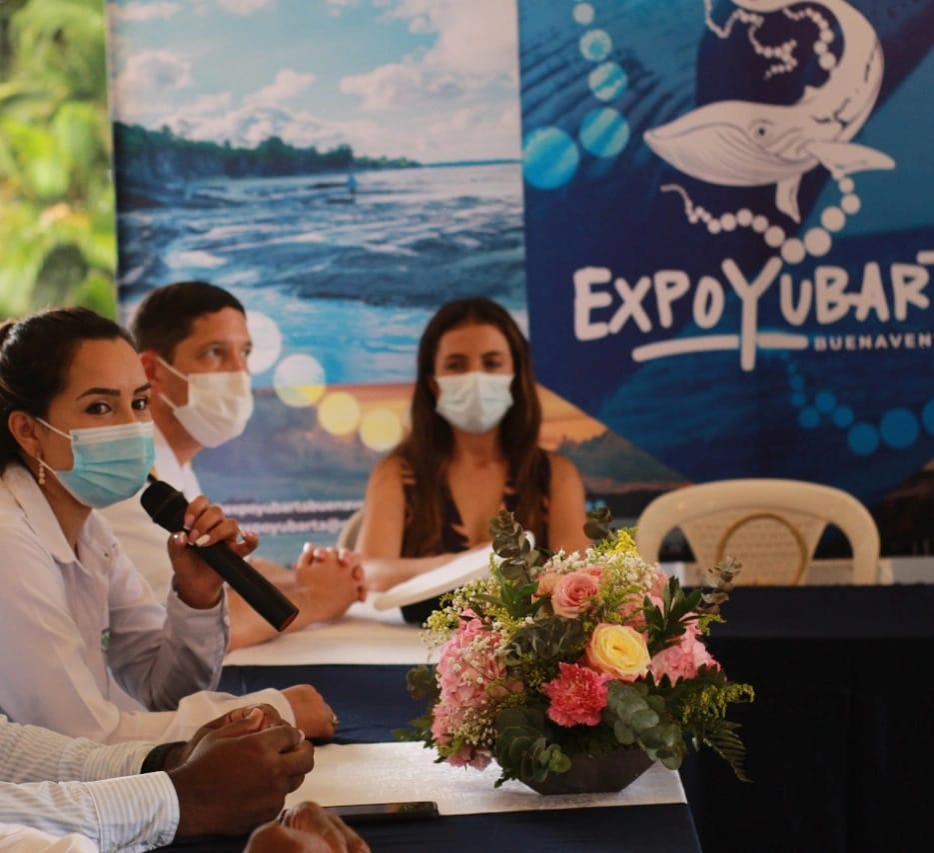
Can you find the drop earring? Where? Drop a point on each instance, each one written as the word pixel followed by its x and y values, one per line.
pixel 40 473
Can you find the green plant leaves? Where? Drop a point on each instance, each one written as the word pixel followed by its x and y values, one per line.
pixel 56 198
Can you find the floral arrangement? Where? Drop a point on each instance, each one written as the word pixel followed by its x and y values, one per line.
pixel 550 657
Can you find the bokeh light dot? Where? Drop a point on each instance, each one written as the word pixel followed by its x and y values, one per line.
pixel 339 413
pixel 604 132
pixel 380 429
pixel 299 380
pixel 596 45
pixel 583 13
pixel 550 158
pixel 842 416
pixel 899 428
pixel 863 439
pixel 927 417
pixel 607 81
pixel 809 418
pixel 267 341
pixel 824 402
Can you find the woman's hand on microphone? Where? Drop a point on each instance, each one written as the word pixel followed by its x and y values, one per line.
pixel 196 583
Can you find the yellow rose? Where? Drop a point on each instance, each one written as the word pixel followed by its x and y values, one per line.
pixel 619 651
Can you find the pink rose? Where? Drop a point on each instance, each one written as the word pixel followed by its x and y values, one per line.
pixel 684 658
pixel 578 695
pixel 574 594
pixel 546 584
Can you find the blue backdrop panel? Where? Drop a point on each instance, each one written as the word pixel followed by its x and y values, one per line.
pixel 728 230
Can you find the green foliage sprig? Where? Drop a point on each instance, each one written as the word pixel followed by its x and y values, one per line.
pixel 516 639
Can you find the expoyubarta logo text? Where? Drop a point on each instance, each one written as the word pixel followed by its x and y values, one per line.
pixel 744 143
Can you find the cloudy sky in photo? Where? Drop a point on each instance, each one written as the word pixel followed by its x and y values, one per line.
pixel 433 80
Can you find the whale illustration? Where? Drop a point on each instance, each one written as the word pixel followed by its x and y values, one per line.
pixel 745 144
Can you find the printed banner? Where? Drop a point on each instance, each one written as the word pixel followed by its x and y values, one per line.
pixel 343 168
pixel 729 231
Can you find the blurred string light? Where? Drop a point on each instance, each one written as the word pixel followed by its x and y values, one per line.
pixel 299 381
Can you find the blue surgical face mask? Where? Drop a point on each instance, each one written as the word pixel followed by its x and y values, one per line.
pixel 110 463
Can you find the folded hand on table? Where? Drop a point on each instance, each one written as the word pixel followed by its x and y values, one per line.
pixel 306 828
pixel 332 579
pixel 238 773
pixel 312 714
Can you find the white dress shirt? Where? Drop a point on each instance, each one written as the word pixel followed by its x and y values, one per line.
pixel 87 650
pixel 142 540
pixel 135 812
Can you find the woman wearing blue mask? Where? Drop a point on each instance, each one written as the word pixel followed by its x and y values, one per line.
pixel 87 649
pixel 472 450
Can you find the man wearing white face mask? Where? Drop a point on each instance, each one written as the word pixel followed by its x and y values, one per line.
pixel 194 345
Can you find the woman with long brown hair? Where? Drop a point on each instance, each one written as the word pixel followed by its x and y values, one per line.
pixel 472 450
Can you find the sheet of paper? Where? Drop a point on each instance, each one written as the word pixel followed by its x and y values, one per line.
pixel 363 636
pixel 402 772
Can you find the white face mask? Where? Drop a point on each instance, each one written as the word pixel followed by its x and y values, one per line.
pixel 474 402
pixel 218 408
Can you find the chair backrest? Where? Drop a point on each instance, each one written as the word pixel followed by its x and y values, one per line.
pixel 347 538
pixel 771 526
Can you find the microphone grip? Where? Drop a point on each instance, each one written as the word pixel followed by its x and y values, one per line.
pixel 167 506
pixel 267 600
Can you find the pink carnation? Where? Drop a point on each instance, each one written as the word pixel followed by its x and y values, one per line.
pixel 658 586
pixel 632 612
pixel 684 658
pixel 467 756
pixel 574 594
pixel 578 695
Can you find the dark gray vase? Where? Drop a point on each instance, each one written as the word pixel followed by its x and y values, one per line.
pixel 602 773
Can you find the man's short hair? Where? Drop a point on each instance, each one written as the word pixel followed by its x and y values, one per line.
pixel 166 315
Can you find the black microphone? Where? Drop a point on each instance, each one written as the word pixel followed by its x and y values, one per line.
pixel 167 506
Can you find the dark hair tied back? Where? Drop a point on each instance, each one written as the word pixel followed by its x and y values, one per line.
pixel 34 356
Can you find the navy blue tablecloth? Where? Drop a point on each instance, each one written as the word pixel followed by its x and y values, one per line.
pixel 838 739
pixel 370 702
pixel 624 829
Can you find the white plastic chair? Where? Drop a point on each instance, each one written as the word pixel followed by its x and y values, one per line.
pixel 350 530
pixel 771 526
